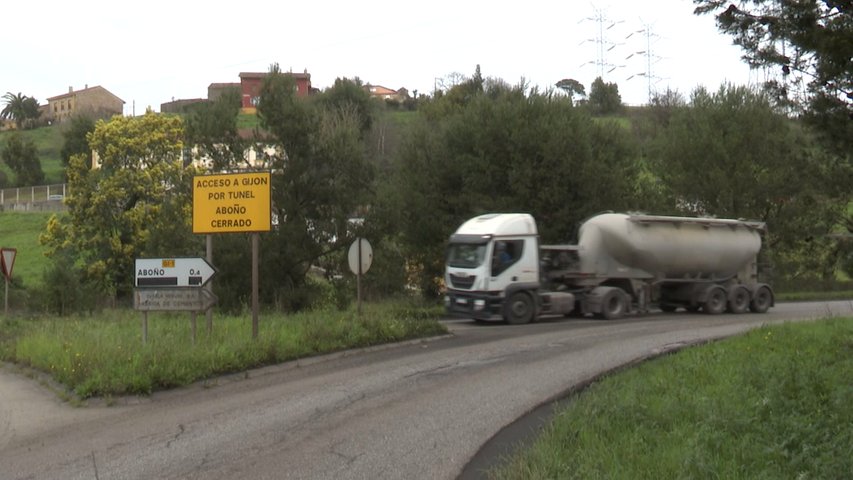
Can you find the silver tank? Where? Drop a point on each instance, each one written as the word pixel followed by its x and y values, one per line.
pixel 672 247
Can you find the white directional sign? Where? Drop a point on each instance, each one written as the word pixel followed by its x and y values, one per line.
pixel 7 260
pixel 173 299
pixel 172 272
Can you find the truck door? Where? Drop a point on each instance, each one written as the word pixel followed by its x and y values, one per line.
pixel 505 255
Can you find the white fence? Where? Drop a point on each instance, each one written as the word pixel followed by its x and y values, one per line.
pixel 41 197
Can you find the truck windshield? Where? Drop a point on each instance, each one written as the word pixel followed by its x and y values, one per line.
pixel 466 255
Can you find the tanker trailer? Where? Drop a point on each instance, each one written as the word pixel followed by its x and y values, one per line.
pixel 669 262
pixel 622 264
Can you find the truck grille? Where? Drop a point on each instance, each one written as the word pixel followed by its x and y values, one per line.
pixel 462 282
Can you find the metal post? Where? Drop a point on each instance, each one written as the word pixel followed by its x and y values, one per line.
pixel 358 277
pixel 6 299
pixel 255 238
pixel 209 255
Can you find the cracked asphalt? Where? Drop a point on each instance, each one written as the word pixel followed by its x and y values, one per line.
pixel 420 409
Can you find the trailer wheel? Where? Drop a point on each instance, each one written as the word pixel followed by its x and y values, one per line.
pixel 716 302
pixel 738 300
pixel 761 300
pixel 614 304
pixel 518 309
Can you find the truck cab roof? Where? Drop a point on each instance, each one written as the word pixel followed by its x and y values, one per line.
pixel 498 225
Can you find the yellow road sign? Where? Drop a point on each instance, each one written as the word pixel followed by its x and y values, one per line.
pixel 236 202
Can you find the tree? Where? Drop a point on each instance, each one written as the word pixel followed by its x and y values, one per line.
pixel 572 87
pixel 466 89
pixel 321 178
pixel 31 112
pixel 730 154
pixel 14 109
pixel 23 110
pixel 350 94
pixel 136 204
pixel 604 98
pixel 211 129
pixel 74 138
pixel 506 149
pixel 809 44
pixel 21 155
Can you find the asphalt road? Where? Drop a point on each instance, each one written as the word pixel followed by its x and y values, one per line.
pixel 416 410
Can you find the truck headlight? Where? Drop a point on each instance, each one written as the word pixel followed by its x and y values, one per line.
pixel 479 304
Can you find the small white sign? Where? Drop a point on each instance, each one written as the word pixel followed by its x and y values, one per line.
pixel 360 250
pixel 172 272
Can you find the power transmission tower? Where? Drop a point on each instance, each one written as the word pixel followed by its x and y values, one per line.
pixel 649 56
pixel 603 42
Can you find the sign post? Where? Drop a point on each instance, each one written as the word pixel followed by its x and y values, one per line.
pixel 172 299
pixel 359 257
pixel 7 262
pixel 234 203
pixel 172 284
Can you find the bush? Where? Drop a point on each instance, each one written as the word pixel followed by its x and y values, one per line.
pixel 64 291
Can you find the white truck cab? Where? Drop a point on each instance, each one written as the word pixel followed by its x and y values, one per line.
pixel 492 268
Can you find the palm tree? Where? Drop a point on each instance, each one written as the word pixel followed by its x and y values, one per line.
pixel 23 110
pixel 14 109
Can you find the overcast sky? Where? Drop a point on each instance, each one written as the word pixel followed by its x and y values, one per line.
pixel 149 52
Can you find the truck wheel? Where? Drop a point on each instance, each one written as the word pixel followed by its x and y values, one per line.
pixel 614 304
pixel 761 300
pixel 716 302
pixel 738 300
pixel 519 309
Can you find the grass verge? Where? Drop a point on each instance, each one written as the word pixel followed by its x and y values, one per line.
pixel 774 403
pixel 104 355
pixel 815 296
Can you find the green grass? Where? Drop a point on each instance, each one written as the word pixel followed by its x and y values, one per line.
pixel 104 355
pixel 248 120
pixel 20 230
pixel 402 117
pixel 774 403
pixel 48 141
pixel 619 120
pixel 814 296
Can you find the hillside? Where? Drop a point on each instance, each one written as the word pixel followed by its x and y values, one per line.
pixel 21 230
pixel 48 141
